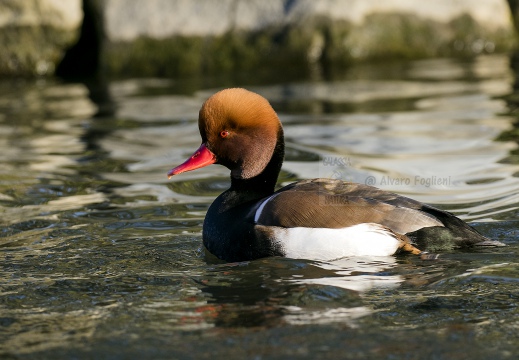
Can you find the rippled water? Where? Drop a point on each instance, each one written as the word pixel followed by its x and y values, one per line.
pixel 102 257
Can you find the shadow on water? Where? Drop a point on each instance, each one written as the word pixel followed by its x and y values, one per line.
pixel 101 254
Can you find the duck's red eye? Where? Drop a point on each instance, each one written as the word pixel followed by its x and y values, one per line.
pixel 224 133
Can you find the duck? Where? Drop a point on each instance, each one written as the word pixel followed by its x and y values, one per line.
pixel 316 219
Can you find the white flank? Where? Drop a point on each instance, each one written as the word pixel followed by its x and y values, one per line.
pixel 329 244
pixel 260 208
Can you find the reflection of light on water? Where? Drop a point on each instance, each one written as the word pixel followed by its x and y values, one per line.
pixel 52 164
pixel 174 317
pixel 161 193
pixel 74 327
pixel 60 101
pixel 357 273
pixel 75 201
pixel 495 273
pixel 132 104
pixel 44 211
pixel 297 316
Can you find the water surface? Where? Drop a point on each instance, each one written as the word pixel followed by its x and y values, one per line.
pixel 102 257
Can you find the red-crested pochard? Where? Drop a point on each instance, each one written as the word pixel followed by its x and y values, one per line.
pixel 319 219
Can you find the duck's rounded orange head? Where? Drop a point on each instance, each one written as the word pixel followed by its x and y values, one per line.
pixel 239 130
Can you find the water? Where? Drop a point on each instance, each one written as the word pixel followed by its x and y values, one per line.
pixel 102 257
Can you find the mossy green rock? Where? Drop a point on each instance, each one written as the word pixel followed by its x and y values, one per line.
pixel 34 35
pixel 320 41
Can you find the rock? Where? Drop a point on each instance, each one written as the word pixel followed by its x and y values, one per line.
pixel 34 34
pixel 187 37
pixel 164 18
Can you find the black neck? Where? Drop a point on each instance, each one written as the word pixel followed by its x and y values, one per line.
pixel 263 184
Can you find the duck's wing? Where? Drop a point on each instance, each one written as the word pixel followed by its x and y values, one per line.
pixel 325 203
pixel 328 203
